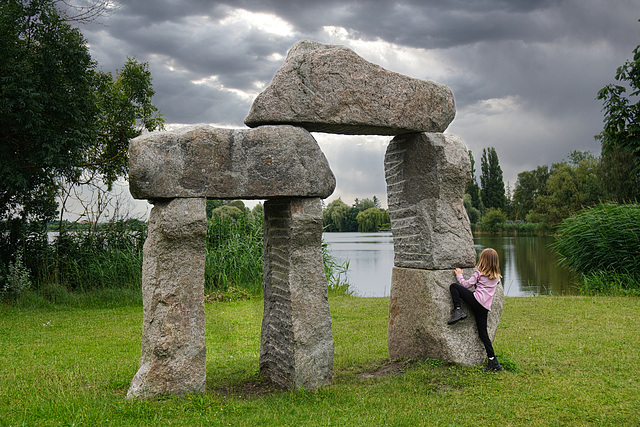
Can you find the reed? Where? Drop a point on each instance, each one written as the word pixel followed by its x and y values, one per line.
pixel 603 244
pixel 234 254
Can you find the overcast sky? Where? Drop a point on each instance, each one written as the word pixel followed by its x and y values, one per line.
pixel 524 74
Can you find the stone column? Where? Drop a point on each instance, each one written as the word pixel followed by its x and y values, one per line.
pixel 296 347
pixel 426 176
pixel 173 346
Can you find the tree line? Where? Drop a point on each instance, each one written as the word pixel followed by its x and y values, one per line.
pixel 65 123
pixel 364 216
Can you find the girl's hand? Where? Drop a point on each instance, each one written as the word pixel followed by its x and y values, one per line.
pixel 458 271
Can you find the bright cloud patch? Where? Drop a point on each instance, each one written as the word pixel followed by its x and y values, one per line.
pixel 266 22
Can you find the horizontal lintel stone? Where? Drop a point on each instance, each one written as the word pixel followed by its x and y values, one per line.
pixel 218 163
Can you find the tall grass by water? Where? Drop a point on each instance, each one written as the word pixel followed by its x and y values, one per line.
pixel 572 361
pixel 107 261
pixel 602 244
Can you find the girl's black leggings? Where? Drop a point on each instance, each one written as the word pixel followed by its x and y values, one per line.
pixel 459 292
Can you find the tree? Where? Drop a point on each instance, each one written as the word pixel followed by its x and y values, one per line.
pixel 622 117
pixel 370 219
pixel 529 186
pixel 492 192
pixel 335 216
pixel 473 190
pixel 62 123
pixel 573 184
pixel 47 109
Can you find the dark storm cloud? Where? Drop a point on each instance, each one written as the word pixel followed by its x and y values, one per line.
pixel 524 73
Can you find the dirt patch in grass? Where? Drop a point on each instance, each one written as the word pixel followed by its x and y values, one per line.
pixel 390 368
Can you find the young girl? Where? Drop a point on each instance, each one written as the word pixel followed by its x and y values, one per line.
pixel 485 278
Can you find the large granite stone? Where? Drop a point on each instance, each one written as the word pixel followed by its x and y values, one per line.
pixel 296 347
pixel 426 178
pixel 418 313
pixel 204 161
pixel 328 88
pixel 173 348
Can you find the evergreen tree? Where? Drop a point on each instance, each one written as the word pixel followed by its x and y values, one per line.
pixel 473 189
pixel 492 192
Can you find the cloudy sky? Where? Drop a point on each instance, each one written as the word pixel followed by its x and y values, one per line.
pixel 524 74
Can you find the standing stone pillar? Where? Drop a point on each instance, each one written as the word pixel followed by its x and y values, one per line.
pixel 173 347
pixel 296 347
pixel 426 176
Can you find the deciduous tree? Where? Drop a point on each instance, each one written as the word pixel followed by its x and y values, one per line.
pixel 622 118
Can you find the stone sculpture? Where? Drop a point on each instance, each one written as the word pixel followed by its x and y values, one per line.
pixel 426 177
pixel 320 88
pixel 178 170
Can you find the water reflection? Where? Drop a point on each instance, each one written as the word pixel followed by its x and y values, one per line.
pixel 528 263
pixel 370 257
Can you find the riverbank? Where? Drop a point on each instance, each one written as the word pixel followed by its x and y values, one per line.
pixel 573 361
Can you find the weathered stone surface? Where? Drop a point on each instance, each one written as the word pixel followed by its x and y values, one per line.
pixel 204 161
pixel 426 178
pixel 328 88
pixel 173 348
pixel 296 348
pixel 419 309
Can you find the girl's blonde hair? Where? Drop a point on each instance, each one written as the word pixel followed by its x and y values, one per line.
pixel 489 265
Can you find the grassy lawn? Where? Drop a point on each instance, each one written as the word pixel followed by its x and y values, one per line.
pixel 573 361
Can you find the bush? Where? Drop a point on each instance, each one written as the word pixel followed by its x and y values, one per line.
pixel 603 244
pixel 493 220
pixel 17 278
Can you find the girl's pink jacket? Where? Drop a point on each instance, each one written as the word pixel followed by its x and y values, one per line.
pixel 485 287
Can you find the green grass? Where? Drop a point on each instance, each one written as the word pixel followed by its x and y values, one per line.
pixel 573 361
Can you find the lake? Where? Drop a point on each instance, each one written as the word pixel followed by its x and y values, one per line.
pixel 529 266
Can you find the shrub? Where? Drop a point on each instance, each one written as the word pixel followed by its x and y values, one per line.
pixel 493 220
pixel 603 244
pixel 17 277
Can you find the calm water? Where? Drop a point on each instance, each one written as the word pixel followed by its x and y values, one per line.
pixel 528 264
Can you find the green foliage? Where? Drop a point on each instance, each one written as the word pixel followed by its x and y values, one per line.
pixel 572 185
pixel 61 120
pixel 622 117
pixel 473 213
pixel 529 186
pixel 493 220
pixel 234 251
pixel 335 216
pixel 610 283
pixel 47 106
pixel 338 216
pixel 17 278
pixel 600 242
pixel 492 193
pixel 125 107
pixel 473 190
pixel 523 228
pixel 370 219
pixel 336 274
pixel 110 257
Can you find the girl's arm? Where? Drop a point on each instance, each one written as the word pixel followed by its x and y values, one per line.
pixel 468 283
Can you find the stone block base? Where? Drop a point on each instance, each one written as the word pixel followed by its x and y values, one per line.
pixel 173 347
pixel 419 309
